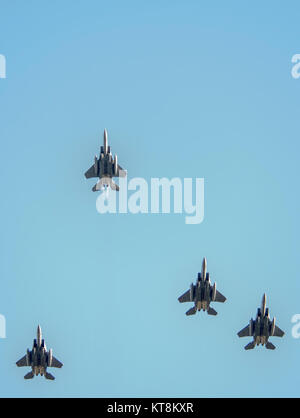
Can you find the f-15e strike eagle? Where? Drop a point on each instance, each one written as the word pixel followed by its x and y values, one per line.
pixel 39 359
pixel 106 167
pixel 261 328
pixel 202 294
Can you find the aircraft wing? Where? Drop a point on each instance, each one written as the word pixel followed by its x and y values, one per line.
pixel 56 363
pixel 219 297
pixel 120 172
pixel 186 297
pixel 245 332
pixel 22 362
pixel 278 332
pixel 91 172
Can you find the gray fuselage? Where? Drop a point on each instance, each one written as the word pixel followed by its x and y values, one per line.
pixel 202 293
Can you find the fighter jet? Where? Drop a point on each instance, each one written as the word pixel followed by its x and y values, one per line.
pixel 202 294
pixel 261 328
pixel 39 359
pixel 106 167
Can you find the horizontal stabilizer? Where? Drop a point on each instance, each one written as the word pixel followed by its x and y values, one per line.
pixel 49 376
pixel 114 186
pixel 29 375
pixel 97 186
pixel 250 346
pixel 211 311
pixel 103 182
pixel 191 311
pixel 270 346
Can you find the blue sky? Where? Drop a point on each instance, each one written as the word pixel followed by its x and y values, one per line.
pixel 185 89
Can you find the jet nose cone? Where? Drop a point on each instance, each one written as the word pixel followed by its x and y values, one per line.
pixel 204 263
pixel 263 304
pixel 105 134
pixel 39 334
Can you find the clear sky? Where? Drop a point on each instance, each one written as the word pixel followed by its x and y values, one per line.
pixel 185 89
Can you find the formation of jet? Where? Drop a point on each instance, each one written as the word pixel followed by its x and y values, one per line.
pixel 202 293
pixel 39 359
pixel 106 167
pixel 261 328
